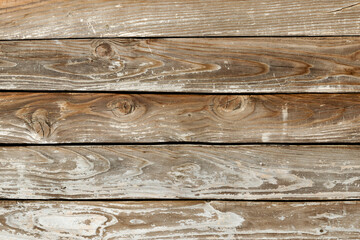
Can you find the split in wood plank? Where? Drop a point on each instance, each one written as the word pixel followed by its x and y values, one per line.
pixel 124 118
pixel 236 65
pixel 178 171
pixel 179 220
pixel 30 19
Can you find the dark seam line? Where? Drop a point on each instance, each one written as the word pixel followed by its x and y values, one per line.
pixel 175 93
pixel 181 144
pixel 168 37
pixel 174 199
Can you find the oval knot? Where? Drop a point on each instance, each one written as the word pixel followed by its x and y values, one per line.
pixel 122 106
pixel 104 50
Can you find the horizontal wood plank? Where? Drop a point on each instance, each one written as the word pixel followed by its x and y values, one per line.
pixel 210 65
pixel 29 19
pixel 176 171
pixel 124 118
pixel 179 220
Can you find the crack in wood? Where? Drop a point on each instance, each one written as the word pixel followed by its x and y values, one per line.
pixel 344 8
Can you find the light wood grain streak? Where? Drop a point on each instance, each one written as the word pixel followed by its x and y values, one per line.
pixel 179 220
pixel 27 19
pixel 103 117
pixel 235 65
pixel 169 172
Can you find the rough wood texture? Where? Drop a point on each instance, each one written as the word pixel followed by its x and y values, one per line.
pixel 102 117
pixel 197 172
pixel 26 19
pixel 179 220
pixel 239 65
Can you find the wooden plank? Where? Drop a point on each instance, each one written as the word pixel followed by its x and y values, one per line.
pixel 179 220
pixel 180 171
pixel 236 65
pixel 28 19
pixel 124 118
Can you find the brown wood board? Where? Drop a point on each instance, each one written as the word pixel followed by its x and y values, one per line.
pixel 207 65
pixel 35 19
pixel 142 118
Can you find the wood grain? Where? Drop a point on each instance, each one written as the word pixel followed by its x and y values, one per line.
pixel 124 118
pixel 179 220
pixel 210 65
pixel 30 19
pixel 178 171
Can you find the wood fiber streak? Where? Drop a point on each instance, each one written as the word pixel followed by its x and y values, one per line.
pixel 170 172
pixel 179 220
pixel 30 19
pixel 211 65
pixel 125 118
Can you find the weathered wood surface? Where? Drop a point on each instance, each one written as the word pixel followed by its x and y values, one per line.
pixel 178 171
pixel 239 65
pixel 179 220
pixel 124 118
pixel 27 19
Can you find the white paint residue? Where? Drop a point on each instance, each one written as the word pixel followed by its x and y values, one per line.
pixel 91 27
pixel 285 116
pixel 351 180
pixel 224 219
pixel 330 184
pixel 84 225
pixel 265 137
pixel 116 63
pixel 23 183
pixel 82 167
pixel 14 236
pixel 137 221
pixel 328 216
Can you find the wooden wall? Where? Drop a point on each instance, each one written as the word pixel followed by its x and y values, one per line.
pixel 163 119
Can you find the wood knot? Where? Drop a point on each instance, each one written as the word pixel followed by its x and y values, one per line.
pixel 229 107
pixel 104 50
pixel 37 119
pixel 40 122
pixel 122 106
pixel 230 103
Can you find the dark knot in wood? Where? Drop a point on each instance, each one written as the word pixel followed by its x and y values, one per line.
pixel 104 50
pixel 40 122
pixel 37 119
pixel 230 107
pixel 122 106
pixel 230 103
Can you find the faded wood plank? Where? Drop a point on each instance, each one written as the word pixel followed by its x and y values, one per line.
pixel 124 118
pixel 176 171
pixel 27 19
pixel 238 65
pixel 179 220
